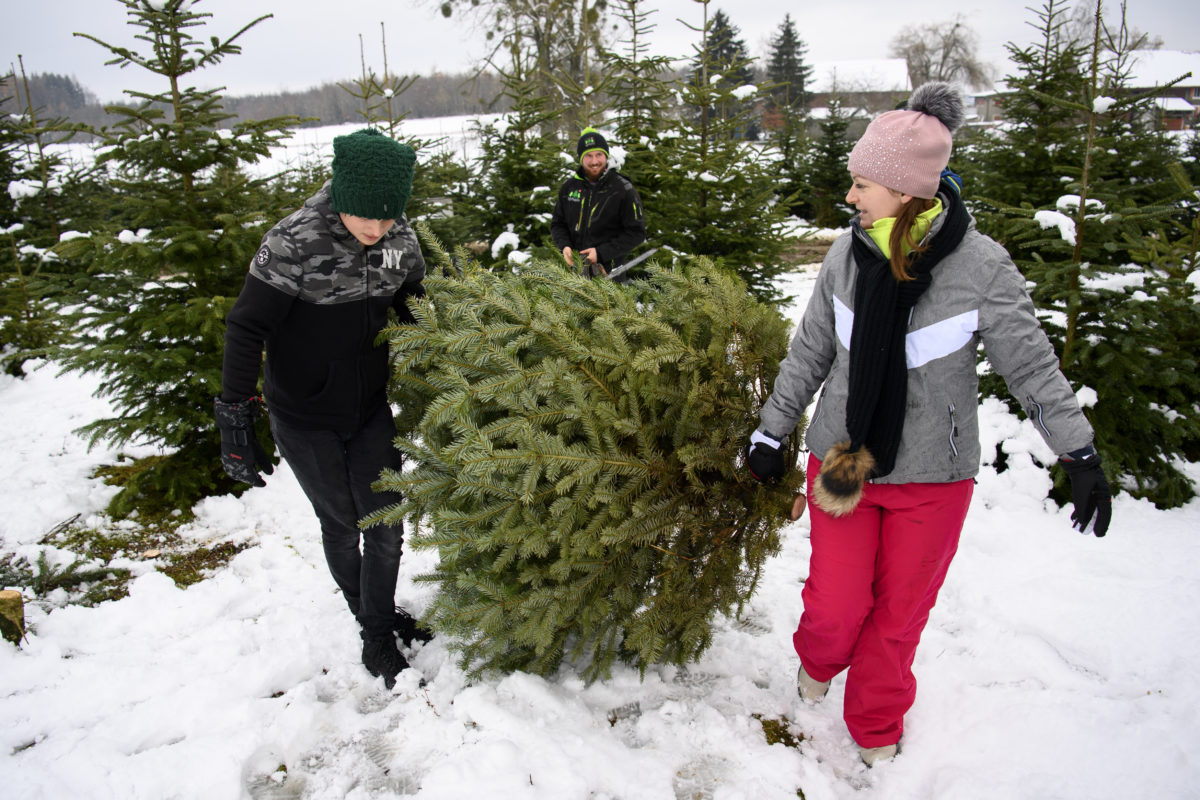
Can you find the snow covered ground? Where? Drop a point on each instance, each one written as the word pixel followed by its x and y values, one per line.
pixel 1054 666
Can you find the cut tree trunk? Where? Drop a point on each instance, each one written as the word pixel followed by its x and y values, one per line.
pixel 12 616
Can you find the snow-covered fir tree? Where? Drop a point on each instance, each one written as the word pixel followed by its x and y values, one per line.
pixel 519 168
pixel 1023 161
pixel 718 192
pixel 44 192
pixel 150 310
pixel 1111 257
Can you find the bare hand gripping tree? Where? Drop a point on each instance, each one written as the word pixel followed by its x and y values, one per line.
pixel 942 51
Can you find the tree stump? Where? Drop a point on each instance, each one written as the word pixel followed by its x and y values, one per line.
pixel 12 616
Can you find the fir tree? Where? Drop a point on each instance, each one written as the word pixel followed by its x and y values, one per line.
pixel 520 167
pixel 574 448
pixel 717 191
pixel 10 140
pixel 642 105
pixel 724 62
pixel 378 94
pixel 25 327
pixel 1112 265
pixel 1191 157
pixel 828 179
pixel 43 190
pixel 793 165
pixel 789 79
pixel 1023 160
pixel 150 320
pixel 641 97
pixel 787 71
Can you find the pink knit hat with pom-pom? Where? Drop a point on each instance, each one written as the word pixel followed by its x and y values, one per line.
pixel 907 150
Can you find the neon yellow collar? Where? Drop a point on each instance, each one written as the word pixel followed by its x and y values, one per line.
pixel 881 231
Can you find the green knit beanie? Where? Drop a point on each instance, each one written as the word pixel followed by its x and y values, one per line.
pixel 372 175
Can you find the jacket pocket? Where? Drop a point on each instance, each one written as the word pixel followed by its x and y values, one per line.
pixel 338 397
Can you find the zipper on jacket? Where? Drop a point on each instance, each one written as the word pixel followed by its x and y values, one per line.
pixel 816 414
pixel 953 432
pixel 1038 417
pixel 585 198
pixel 366 320
pixel 592 215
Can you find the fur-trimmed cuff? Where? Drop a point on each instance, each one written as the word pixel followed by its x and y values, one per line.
pixel 839 486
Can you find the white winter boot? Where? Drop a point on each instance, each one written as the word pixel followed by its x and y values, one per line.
pixel 871 755
pixel 810 690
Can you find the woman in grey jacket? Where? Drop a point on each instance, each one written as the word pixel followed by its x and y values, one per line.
pixel 891 333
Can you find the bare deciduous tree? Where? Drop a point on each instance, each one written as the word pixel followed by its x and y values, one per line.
pixel 1081 25
pixel 565 38
pixel 942 51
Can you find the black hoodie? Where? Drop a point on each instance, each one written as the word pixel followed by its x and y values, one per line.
pixel 316 298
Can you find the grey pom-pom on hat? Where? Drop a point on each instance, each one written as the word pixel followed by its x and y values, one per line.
pixel 907 150
pixel 939 99
pixel 372 175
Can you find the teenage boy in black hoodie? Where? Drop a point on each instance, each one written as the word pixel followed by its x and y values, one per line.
pixel 316 298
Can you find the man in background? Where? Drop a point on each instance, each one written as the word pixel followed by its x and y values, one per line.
pixel 598 217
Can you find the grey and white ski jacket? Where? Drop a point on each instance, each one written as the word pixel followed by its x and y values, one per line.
pixel 977 295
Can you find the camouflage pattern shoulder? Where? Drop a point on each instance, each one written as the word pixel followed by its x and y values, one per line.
pixel 279 261
pixel 310 255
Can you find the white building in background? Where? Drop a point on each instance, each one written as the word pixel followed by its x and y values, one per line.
pixel 1179 107
pixel 865 87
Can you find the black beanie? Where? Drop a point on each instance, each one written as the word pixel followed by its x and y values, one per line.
pixel 591 139
pixel 372 175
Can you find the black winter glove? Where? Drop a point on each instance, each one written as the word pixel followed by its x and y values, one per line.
pixel 241 454
pixel 1090 492
pixel 765 461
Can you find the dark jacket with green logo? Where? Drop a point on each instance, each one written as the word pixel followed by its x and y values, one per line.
pixel 316 298
pixel 606 215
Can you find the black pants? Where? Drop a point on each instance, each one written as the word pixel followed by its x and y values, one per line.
pixel 336 469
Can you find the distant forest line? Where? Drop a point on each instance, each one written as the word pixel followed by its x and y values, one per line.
pixel 439 95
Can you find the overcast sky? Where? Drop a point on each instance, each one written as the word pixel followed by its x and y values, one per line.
pixel 309 42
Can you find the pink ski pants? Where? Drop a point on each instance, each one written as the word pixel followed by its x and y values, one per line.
pixel 874 576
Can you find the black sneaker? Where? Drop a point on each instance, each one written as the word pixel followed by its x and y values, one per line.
pixel 408 630
pixel 381 658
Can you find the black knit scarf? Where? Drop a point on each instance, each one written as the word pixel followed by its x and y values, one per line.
pixel 878 368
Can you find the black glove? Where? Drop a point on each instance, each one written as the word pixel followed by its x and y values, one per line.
pixel 1090 492
pixel 241 454
pixel 765 461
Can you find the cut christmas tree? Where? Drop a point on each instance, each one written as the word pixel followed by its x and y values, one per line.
pixel 574 454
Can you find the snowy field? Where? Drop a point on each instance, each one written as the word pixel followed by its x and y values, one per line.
pixel 457 135
pixel 1054 666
